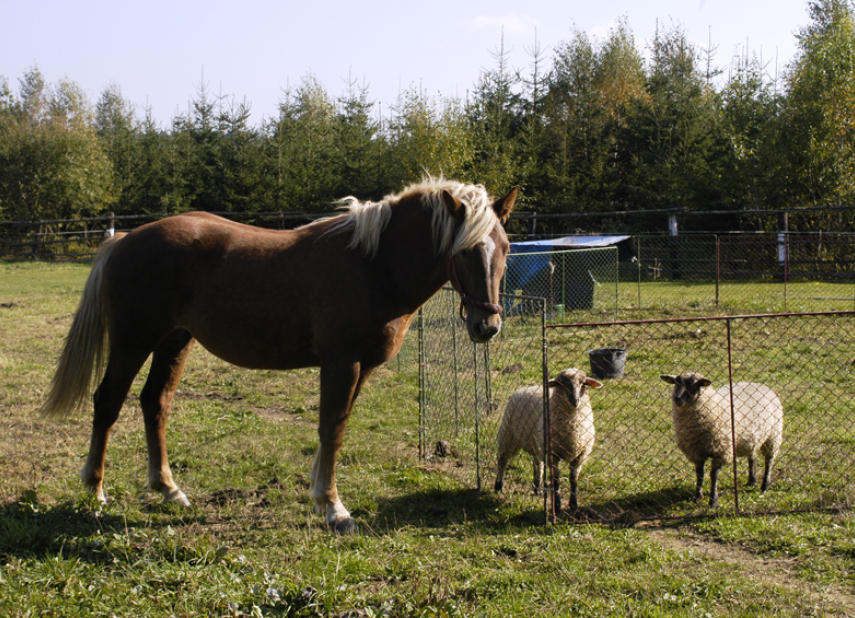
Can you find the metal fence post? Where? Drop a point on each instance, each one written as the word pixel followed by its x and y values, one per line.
pixel 717 268
pixel 477 421
pixel 786 266
pixel 456 369
pixel 547 437
pixel 422 385
pixel 617 282
pixel 638 262
pixel 732 420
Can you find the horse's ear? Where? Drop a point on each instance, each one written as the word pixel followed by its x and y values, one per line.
pixel 503 206
pixel 454 206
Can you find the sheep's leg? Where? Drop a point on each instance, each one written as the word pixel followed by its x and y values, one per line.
pixel 574 485
pixel 716 468
pixel 752 469
pixel 699 484
pixel 556 486
pixel 767 474
pixel 537 472
pixel 501 465
pixel 504 458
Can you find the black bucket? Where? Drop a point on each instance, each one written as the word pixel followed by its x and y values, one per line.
pixel 607 362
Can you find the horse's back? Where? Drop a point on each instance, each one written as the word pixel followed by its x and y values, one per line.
pixel 254 297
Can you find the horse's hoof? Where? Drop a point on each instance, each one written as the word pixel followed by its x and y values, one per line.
pixel 177 496
pixel 100 496
pixel 345 526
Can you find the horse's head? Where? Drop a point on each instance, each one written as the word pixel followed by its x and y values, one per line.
pixel 476 272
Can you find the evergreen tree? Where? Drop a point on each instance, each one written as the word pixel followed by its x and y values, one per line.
pixel 303 143
pixel 52 164
pixel 667 143
pixel 428 137
pixel 496 117
pixel 238 161
pixel 749 157
pixel 532 176
pixel 591 88
pixel 117 131
pixel 360 148
pixel 820 106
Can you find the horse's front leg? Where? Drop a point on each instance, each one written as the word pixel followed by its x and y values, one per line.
pixel 340 385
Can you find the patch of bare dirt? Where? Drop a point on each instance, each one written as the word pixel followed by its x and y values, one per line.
pixel 293 416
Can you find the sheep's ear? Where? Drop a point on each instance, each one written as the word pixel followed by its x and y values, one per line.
pixel 667 378
pixel 558 382
pixel 704 382
pixel 593 383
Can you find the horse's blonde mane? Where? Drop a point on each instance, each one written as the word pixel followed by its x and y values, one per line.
pixel 367 220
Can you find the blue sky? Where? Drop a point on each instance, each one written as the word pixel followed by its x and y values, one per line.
pixel 158 52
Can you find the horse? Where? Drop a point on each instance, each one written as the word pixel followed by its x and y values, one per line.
pixel 338 293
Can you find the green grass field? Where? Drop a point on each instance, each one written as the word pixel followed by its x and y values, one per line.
pixel 241 446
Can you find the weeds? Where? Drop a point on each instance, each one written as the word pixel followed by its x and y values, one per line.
pixel 242 445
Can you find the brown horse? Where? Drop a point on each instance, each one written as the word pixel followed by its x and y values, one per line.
pixel 338 294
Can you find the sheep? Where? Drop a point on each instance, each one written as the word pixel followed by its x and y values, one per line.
pixel 572 419
pixel 702 424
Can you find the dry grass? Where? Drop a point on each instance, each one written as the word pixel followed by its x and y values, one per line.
pixel 241 446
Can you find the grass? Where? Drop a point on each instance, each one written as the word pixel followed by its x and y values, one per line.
pixel 241 446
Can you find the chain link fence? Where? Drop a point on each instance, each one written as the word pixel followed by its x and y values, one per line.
pixel 636 468
pixel 463 388
pixel 77 240
pixel 707 274
pixel 577 285
pixel 650 276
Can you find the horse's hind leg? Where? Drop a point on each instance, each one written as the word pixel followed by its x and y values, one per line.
pixel 122 367
pixel 167 366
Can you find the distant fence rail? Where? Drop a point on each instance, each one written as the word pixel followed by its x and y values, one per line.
pixel 654 275
pixel 77 240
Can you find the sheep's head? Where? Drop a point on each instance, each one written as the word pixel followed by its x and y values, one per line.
pixel 573 382
pixel 687 388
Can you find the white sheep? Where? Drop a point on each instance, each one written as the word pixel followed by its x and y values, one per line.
pixel 702 424
pixel 572 420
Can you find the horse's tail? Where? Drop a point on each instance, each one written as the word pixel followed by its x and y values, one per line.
pixel 82 358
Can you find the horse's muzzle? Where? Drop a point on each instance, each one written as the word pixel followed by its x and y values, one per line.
pixel 481 331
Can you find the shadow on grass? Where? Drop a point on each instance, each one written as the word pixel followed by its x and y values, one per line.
pixel 665 503
pixel 436 508
pixel 32 530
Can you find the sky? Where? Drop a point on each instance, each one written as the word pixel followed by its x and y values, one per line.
pixel 159 53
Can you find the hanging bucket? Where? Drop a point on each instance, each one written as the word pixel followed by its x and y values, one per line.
pixel 607 362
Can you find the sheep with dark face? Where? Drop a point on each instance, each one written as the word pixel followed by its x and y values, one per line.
pixel 702 426
pixel 572 420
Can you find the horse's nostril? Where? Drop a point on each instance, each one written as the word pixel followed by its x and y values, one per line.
pixel 485 331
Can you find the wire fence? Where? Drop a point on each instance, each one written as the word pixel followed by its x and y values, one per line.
pixel 638 466
pixel 574 282
pixel 706 274
pixel 649 276
pixel 463 386
pixel 77 240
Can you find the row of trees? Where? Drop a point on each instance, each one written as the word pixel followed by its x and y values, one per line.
pixel 596 127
